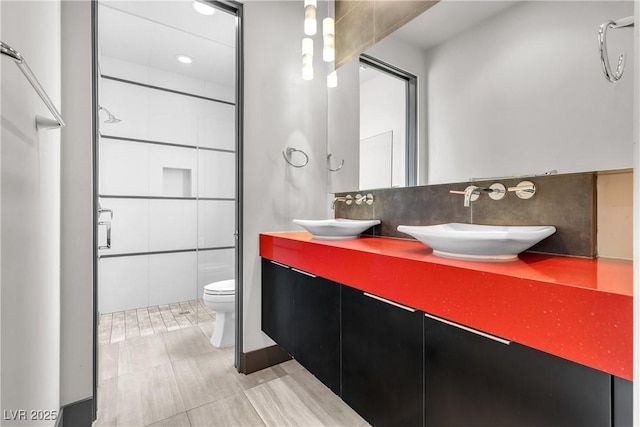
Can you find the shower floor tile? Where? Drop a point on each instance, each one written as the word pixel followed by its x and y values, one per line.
pixel 141 322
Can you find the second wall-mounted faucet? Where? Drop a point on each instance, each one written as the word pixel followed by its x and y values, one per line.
pixel 349 199
pixel 524 190
pixel 496 191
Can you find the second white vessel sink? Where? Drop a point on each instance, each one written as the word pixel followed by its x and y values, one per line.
pixel 478 242
pixel 335 229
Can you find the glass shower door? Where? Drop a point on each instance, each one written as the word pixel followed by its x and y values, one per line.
pixel 166 163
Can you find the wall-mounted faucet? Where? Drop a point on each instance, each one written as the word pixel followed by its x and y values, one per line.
pixel 496 191
pixel 348 200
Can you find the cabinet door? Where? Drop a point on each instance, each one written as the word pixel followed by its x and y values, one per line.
pixel 471 380
pixel 277 303
pixel 622 402
pixel 301 313
pixel 316 307
pixel 382 360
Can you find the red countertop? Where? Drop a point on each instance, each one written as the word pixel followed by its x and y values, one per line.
pixel 575 308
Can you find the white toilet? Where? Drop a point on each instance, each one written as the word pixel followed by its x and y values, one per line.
pixel 221 298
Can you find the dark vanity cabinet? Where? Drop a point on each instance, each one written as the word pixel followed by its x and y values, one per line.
pixel 301 312
pixel 474 380
pixel 397 366
pixel 382 360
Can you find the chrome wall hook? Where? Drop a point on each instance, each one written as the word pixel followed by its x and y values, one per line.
pixel 604 56
pixel 287 157
pixel 329 164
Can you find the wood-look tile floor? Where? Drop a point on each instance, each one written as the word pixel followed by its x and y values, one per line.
pixel 177 378
pixel 116 327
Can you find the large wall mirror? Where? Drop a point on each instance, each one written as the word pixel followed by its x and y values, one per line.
pixel 504 88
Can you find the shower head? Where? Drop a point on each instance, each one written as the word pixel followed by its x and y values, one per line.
pixel 110 117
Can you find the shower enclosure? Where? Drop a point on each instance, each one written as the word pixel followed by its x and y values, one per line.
pixel 166 161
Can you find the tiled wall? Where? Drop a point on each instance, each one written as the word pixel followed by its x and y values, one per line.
pixel 362 23
pixel 167 171
pixel 615 214
pixel 567 202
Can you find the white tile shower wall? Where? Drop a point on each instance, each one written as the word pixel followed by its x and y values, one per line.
pixel 124 167
pixel 172 277
pixel 136 169
pixel 129 226
pixel 171 157
pixel 216 174
pixel 218 130
pixel 214 266
pixel 216 223
pixel 124 283
pixel 172 224
pixel 118 68
pixel 129 103
pixel 144 280
pixel 156 115
pixel 141 225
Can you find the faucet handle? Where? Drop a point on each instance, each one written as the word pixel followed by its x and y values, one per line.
pixel 524 189
pixel 368 199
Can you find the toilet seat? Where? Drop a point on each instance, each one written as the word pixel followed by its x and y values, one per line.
pixel 224 287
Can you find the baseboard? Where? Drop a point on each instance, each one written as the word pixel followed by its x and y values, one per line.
pixel 77 414
pixel 263 358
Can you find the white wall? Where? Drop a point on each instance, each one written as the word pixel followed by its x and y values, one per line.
pixel 76 297
pixel 30 241
pixel 523 93
pixel 280 110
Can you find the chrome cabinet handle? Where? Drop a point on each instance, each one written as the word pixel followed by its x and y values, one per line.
pixel 466 328
pixel 395 304
pixel 279 264
pixel 108 225
pixel 303 272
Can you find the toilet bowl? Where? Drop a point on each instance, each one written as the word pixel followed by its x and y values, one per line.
pixel 221 298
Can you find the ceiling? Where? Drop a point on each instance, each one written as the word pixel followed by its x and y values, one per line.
pixel 152 33
pixel 448 18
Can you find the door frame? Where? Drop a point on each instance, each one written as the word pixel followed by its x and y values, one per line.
pixel 232 7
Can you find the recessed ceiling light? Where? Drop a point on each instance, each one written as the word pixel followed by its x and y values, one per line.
pixel 184 59
pixel 203 8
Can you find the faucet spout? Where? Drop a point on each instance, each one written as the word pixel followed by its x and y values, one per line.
pixel 348 199
pixel 468 193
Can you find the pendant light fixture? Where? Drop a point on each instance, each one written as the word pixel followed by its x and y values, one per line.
pixel 310 23
pixel 307 58
pixel 332 79
pixel 328 36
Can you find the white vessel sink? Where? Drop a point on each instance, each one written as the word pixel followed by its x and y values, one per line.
pixel 478 242
pixel 335 229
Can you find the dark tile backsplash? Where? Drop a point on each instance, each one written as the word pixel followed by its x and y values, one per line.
pixel 566 201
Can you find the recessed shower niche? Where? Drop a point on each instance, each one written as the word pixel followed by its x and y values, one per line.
pixel 176 182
